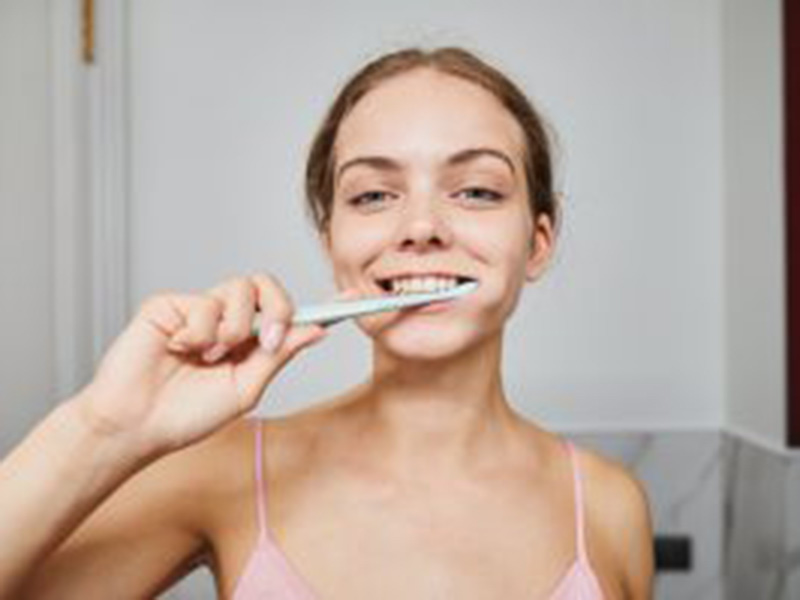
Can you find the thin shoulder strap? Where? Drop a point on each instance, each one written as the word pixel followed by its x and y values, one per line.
pixel 261 493
pixel 580 540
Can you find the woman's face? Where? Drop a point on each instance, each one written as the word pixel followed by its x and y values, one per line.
pixel 429 179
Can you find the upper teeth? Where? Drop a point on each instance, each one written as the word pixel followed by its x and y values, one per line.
pixel 404 285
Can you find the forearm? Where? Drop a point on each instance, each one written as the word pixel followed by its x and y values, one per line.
pixel 50 483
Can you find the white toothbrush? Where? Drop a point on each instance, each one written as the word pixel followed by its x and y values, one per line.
pixel 332 313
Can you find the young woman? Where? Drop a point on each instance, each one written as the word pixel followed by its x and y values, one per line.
pixel 422 481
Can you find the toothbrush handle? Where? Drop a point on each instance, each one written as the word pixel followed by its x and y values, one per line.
pixel 332 313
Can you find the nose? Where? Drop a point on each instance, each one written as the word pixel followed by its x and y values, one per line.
pixel 423 224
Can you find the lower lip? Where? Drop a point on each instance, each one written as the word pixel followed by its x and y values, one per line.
pixel 434 307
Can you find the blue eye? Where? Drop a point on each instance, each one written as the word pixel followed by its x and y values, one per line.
pixel 368 198
pixel 478 193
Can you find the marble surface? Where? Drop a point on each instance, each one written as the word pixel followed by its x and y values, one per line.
pixel 761 522
pixel 792 554
pixel 739 503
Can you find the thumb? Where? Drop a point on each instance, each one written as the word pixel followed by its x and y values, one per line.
pixel 347 294
pixel 261 366
pixel 300 337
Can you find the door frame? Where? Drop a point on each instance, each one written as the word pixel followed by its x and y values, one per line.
pixel 791 66
pixel 90 190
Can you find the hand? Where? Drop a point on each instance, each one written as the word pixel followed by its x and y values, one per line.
pixel 188 364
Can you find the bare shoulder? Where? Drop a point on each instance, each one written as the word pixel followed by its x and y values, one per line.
pixel 206 459
pixel 202 476
pixel 618 513
pixel 222 464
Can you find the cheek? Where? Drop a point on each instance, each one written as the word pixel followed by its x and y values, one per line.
pixel 513 247
pixel 505 257
pixel 502 243
pixel 354 246
pixel 360 240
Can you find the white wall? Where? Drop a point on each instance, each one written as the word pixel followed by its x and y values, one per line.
pixel 625 332
pixel 754 220
pixel 26 342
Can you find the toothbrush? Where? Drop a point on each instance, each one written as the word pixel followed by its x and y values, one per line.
pixel 334 312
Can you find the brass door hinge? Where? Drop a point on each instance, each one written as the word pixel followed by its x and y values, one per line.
pixel 87 31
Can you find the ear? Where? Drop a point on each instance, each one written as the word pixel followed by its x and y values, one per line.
pixel 541 248
pixel 325 243
pixel 343 292
pixel 324 238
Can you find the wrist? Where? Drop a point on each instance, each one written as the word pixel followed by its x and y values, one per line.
pixel 104 434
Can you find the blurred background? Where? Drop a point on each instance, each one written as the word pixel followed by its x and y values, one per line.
pixel 147 146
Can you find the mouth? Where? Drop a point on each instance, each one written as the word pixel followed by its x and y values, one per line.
pixel 421 283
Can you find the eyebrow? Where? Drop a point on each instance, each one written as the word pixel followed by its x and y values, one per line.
pixel 384 163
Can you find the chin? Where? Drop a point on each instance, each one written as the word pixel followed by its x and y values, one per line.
pixel 422 353
pixel 425 341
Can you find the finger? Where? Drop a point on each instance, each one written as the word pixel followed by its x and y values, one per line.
pixel 161 312
pixel 260 367
pixel 276 308
pixel 238 298
pixel 301 337
pixel 202 315
pixel 271 339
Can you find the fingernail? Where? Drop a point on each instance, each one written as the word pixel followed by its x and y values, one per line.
pixel 272 336
pixel 214 353
pixel 177 346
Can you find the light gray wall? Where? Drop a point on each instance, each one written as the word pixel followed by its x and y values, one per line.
pixel 754 220
pixel 26 340
pixel 582 87
pixel 625 332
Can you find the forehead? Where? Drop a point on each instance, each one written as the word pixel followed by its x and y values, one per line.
pixel 427 115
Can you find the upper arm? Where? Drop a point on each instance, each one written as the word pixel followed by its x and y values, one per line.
pixel 142 538
pixel 629 524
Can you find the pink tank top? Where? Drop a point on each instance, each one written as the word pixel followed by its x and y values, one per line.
pixel 268 574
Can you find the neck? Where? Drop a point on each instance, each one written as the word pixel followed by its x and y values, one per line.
pixel 432 416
